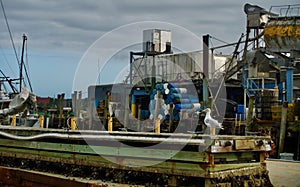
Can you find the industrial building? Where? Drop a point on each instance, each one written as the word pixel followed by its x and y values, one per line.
pixel 196 118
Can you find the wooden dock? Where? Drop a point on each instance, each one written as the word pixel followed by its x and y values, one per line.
pixel 211 159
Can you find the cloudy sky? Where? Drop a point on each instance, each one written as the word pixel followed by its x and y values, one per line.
pixel 61 31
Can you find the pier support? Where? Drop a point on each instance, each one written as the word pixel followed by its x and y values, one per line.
pixel 172 181
pixel 171 110
pixel 133 106
pixel 126 109
pixel 41 121
pixel 73 123
pixel 283 126
pixel 110 124
pixel 250 111
pixel 157 125
pixel 212 131
pixel 157 108
pixel 14 120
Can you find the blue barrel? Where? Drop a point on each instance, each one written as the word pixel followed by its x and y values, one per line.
pixel 240 109
pixel 184 106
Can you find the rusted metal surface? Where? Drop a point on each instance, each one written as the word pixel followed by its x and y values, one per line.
pixel 282 34
pixel 13 177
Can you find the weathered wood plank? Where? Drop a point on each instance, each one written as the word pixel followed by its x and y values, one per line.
pixel 183 168
pixel 166 167
pixel 236 156
pixel 244 144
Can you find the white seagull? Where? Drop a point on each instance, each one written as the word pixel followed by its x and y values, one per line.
pixel 209 121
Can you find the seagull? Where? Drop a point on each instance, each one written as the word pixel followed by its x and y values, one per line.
pixel 209 121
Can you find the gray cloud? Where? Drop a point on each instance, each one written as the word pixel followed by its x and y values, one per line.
pixel 69 27
pixel 58 22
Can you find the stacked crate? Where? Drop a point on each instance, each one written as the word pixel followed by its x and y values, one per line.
pixel 291 113
pixel 276 113
pixel 263 103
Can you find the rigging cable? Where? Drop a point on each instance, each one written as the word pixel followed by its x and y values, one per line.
pixel 5 59
pixel 212 44
pixel 222 41
pixel 26 72
pixel 9 82
pixel 219 40
pixel 10 35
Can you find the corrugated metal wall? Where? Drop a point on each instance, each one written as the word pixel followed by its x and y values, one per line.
pixel 176 66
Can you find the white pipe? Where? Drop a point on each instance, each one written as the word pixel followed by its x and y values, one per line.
pixel 142 139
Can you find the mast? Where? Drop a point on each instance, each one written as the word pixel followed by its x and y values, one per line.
pixel 22 61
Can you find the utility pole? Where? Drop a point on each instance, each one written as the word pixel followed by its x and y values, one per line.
pixel 205 44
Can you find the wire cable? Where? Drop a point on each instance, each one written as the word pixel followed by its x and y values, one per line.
pixel 9 31
pixel 222 41
pixel 9 82
pixel 5 59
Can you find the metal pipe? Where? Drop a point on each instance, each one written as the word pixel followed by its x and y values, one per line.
pixel 153 78
pixel 143 139
pixel 130 64
pixel 250 111
pixel 289 85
